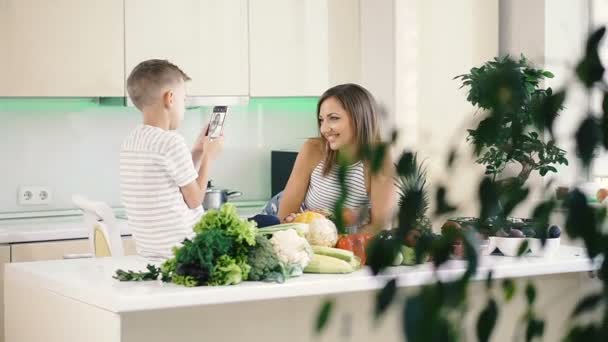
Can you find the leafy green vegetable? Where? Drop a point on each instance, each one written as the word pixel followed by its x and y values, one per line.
pixel 152 274
pixel 217 255
pixel 227 219
pixel 226 272
pixel 187 281
pixel 263 260
pixel 205 248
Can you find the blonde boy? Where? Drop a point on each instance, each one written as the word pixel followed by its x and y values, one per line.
pixel 163 183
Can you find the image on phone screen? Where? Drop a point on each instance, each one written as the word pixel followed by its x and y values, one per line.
pixel 216 124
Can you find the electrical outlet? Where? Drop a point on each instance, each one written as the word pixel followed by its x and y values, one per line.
pixel 34 195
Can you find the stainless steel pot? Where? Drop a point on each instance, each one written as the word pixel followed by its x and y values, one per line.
pixel 215 197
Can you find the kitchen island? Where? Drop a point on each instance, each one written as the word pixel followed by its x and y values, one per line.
pixel 78 300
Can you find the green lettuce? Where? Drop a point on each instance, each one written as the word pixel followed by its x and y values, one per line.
pixel 243 232
pixel 226 272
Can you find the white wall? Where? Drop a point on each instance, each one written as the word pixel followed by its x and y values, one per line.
pixel 553 34
pixel 411 50
pixel 377 34
pixel 73 146
pixel 566 28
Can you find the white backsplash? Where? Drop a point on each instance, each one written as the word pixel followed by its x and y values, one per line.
pixel 75 150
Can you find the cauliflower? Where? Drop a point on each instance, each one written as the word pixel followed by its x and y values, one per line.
pixel 322 232
pixel 292 250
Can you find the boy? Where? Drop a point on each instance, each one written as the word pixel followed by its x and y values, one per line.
pixel 163 184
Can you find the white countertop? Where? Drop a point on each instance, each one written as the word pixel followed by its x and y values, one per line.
pixel 21 230
pixel 90 280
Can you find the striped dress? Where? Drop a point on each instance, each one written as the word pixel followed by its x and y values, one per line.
pixel 154 164
pixel 324 191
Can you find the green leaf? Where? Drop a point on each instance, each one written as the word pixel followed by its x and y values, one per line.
pixel 588 138
pixel 413 312
pixel 469 240
pixel 548 74
pixel 442 206
pixel 385 297
pixel 582 222
pixel 489 280
pixel 443 249
pixel 604 122
pixel 377 160
pixel 508 289
pixel 452 157
pixel 324 315
pixel 530 293
pixel 590 69
pixel 591 332
pixel 588 303
pixel 394 136
pixel 512 195
pixel 407 164
pixel 548 111
pixel 381 252
pixel 523 248
pixel 152 273
pixel 536 328
pixel 488 197
pixel 487 321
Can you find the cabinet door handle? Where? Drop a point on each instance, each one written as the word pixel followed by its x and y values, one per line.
pixel 78 256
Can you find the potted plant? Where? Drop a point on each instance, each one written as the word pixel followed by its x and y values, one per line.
pixel 509 93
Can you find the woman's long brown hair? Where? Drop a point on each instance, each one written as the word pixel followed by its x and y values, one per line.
pixel 361 106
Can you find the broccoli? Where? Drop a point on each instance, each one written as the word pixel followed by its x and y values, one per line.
pixel 263 260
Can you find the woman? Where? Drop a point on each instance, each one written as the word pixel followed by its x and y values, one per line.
pixel 348 121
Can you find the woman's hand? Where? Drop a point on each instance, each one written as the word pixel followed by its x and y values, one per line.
pixel 289 218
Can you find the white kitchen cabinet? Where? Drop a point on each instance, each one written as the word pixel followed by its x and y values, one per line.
pixel 61 48
pixel 207 39
pixel 5 258
pixel 301 48
pixel 52 250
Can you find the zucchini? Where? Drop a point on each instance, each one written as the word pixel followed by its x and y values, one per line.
pixel 341 254
pixel 327 264
pixel 301 228
pixel 355 262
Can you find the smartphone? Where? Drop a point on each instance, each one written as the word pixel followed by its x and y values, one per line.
pixel 216 123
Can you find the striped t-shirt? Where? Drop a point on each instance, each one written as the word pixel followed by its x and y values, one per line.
pixel 324 191
pixel 154 164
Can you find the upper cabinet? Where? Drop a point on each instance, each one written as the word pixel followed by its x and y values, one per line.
pixel 207 39
pixel 300 48
pixel 86 48
pixel 61 48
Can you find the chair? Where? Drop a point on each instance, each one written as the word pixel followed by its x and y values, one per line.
pixel 104 236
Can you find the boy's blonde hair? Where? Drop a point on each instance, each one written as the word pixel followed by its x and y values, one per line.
pixel 149 77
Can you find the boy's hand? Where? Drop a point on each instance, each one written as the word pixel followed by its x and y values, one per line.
pixel 199 143
pixel 212 147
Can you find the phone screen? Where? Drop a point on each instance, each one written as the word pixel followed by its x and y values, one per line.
pixel 216 124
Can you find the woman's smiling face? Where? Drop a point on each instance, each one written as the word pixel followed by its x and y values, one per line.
pixel 336 124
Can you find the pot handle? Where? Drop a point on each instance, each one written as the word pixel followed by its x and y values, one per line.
pixel 232 194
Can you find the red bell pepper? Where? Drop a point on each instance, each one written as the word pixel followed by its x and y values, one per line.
pixel 357 243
